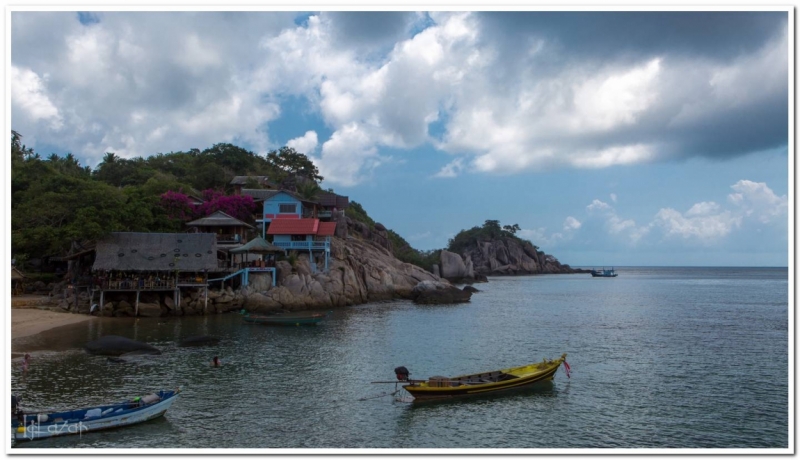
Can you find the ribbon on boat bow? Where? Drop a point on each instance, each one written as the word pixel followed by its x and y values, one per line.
pixel 566 368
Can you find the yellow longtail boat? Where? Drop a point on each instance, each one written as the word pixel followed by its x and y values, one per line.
pixel 482 383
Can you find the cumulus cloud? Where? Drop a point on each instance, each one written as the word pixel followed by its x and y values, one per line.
pixel 506 93
pixel 571 223
pixel 597 205
pixel 703 227
pixel 616 225
pixel 140 83
pixel 707 221
pixel 30 99
pixel 307 143
pixel 758 201
pixel 540 236
pixel 348 156
pixel 451 169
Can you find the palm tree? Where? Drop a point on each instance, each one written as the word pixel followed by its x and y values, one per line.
pixel 309 190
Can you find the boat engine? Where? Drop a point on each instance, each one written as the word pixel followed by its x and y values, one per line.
pixel 402 373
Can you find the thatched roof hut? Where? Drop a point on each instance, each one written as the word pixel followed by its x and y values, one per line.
pixel 218 219
pixel 187 252
pixel 258 245
pixel 16 275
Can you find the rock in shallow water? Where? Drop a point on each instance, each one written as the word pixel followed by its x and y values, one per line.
pixel 114 345
pixel 439 292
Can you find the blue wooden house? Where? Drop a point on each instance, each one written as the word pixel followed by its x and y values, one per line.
pixel 303 235
pixel 280 204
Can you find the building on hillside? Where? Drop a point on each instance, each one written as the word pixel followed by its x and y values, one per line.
pixel 310 235
pixel 17 281
pixel 280 204
pixel 240 182
pixel 195 200
pixel 135 262
pixel 331 205
pixel 230 232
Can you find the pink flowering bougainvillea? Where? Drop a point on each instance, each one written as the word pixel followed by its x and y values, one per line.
pixel 179 206
pixel 238 206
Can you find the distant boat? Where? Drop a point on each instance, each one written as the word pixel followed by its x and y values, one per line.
pixel 483 383
pixel 604 273
pixel 286 320
pixel 29 427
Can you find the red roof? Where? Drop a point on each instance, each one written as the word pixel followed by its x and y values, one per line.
pixel 293 227
pixel 326 228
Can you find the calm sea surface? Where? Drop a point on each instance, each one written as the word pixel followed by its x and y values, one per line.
pixel 660 357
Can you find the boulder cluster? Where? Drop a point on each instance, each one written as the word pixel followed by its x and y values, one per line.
pixel 497 257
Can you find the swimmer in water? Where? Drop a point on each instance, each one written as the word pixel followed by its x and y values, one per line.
pixel 26 362
pixel 215 362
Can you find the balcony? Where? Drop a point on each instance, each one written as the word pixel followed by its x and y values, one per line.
pixel 229 239
pixel 304 245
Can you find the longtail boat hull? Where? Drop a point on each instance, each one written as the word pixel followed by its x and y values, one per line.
pixel 81 421
pixel 485 383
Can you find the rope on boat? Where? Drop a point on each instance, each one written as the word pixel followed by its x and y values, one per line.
pixel 379 396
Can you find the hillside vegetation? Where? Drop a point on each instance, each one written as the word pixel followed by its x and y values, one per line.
pixel 56 201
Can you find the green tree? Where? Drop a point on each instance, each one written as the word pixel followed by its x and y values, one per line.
pixel 288 161
pixel 309 190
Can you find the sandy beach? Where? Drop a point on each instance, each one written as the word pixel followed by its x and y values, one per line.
pixel 30 321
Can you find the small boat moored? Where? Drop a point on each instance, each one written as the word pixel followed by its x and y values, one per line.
pixel 604 273
pixel 286 320
pixel 482 383
pixel 29 427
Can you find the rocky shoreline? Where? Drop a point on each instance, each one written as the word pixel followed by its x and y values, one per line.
pixel 498 257
pixel 362 269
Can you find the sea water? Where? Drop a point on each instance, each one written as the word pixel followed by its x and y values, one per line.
pixel 660 358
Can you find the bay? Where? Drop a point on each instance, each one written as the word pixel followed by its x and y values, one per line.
pixel 660 357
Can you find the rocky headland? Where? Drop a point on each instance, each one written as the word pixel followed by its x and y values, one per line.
pixel 497 257
pixel 362 269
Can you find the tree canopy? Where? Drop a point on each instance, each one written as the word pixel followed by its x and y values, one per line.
pixel 55 200
pixel 288 161
pixel 490 230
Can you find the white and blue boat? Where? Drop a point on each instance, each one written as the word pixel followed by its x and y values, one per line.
pixel 29 427
pixel 604 273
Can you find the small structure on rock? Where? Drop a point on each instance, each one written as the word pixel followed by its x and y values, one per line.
pixel 304 235
pixel 152 262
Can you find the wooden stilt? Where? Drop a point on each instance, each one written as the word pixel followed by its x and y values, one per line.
pixel 136 311
pixel 205 305
pixel 102 296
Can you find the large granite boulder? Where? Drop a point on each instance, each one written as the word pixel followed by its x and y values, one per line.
pixel 359 271
pixel 456 269
pixel 439 292
pixel 150 309
pixel 114 345
pixel 511 256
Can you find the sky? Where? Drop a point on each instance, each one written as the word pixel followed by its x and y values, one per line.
pixel 610 137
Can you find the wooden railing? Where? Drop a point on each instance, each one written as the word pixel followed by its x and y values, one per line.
pixel 303 244
pixel 137 284
pixel 229 239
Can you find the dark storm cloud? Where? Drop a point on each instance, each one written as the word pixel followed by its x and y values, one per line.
pixel 598 35
pixel 373 29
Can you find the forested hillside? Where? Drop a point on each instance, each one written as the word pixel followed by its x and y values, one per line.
pixel 55 200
